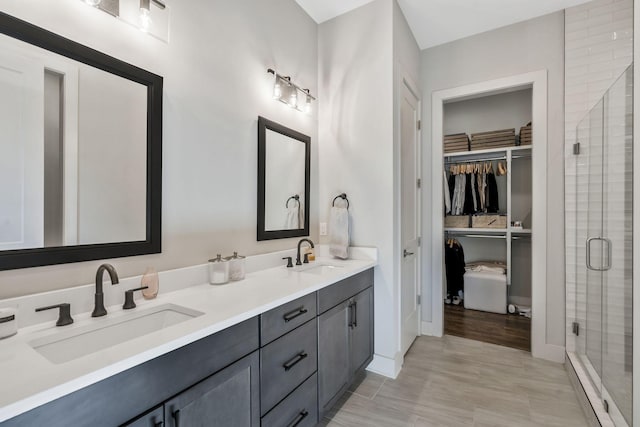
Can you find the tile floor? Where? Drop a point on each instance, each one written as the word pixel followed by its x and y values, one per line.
pixel 454 381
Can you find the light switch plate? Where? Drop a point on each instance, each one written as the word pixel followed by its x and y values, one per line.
pixel 323 228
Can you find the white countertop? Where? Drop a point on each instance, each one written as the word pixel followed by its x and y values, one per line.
pixel 29 380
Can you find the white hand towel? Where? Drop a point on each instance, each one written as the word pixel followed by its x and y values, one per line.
pixel 339 232
pixel 292 218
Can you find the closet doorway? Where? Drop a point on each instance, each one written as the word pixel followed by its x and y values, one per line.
pixel 503 232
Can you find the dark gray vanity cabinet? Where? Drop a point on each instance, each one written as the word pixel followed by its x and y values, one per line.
pixel 345 336
pixel 154 418
pixel 288 364
pixel 361 349
pixel 121 399
pixel 226 399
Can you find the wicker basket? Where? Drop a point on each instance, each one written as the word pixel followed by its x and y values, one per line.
pixel 489 221
pixel 456 221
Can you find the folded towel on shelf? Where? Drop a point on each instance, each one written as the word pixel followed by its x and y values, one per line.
pixel 292 221
pixel 339 232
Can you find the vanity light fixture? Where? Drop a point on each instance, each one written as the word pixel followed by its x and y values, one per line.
pixel 92 2
pixel 285 91
pixel 145 13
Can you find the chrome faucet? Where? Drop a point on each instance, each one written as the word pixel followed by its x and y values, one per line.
pixel 99 309
pixel 298 262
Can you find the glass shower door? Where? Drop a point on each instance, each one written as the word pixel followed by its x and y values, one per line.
pixel 604 230
pixel 617 286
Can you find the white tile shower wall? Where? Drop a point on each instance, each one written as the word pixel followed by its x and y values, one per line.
pixel 598 48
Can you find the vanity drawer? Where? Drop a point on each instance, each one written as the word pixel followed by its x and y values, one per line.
pixel 287 317
pixel 333 295
pixel 300 408
pixel 286 363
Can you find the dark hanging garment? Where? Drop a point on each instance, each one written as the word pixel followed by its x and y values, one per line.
pixel 492 194
pixel 455 268
pixel 468 196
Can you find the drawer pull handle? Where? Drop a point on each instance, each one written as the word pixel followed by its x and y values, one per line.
pixel 298 419
pixel 293 362
pixel 355 314
pixel 176 418
pixel 288 317
pixel 351 321
pixel 159 424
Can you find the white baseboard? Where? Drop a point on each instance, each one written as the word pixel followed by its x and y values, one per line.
pixel 386 366
pixel 427 328
pixel 550 352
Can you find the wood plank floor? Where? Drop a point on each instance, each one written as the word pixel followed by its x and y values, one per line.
pixel 456 382
pixel 509 330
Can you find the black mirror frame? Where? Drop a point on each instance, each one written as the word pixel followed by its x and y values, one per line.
pixel 23 258
pixel 263 125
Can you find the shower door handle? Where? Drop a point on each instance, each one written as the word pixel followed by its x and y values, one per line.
pixel 606 266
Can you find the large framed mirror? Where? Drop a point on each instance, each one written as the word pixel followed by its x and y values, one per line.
pixel 284 159
pixel 80 152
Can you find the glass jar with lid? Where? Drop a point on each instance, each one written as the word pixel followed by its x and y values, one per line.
pixel 218 270
pixel 236 266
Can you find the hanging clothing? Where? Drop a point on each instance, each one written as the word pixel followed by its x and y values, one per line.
pixel 477 192
pixel 492 194
pixel 447 195
pixel 468 196
pixel 474 187
pixel 454 267
pixel 482 189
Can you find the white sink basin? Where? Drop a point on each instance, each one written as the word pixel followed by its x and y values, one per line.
pixel 69 345
pixel 319 268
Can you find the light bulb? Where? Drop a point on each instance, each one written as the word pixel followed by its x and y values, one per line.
pixel 293 97
pixel 145 15
pixel 307 106
pixel 277 88
pixel 92 2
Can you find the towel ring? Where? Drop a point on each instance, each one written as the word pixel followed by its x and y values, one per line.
pixel 296 198
pixel 342 196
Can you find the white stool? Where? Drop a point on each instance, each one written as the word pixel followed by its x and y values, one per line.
pixel 485 291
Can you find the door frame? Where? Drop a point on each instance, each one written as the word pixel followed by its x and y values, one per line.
pixel 636 213
pixel 405 80
pixel 537 80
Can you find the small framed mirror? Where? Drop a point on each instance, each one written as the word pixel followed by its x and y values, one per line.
pixel 284 161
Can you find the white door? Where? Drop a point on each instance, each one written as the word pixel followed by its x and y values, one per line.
pixel 410 205
pixel 21 153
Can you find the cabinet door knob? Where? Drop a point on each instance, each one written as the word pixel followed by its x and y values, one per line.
pixel 288 317
pixel 298 419
pixel 295 360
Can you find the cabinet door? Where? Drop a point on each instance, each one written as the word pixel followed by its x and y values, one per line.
pixel 333 355
pixel 361 325
pixel 154 418
pixel 229 398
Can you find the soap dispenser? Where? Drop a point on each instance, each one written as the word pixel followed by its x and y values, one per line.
pixel 218 270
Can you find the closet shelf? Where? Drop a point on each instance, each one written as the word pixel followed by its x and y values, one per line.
pixel 471 154
pixel 476 230
pixel 520 230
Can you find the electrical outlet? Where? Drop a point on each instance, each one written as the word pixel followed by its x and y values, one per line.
pixel 323 228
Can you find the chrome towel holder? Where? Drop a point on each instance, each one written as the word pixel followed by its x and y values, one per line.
pixel 294 197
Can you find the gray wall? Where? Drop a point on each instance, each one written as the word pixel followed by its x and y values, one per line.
pixel 488 113
pixel 214 91
pixel 532 45
pixel 356 142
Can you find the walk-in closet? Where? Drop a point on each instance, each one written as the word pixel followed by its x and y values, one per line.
pixel 487 188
